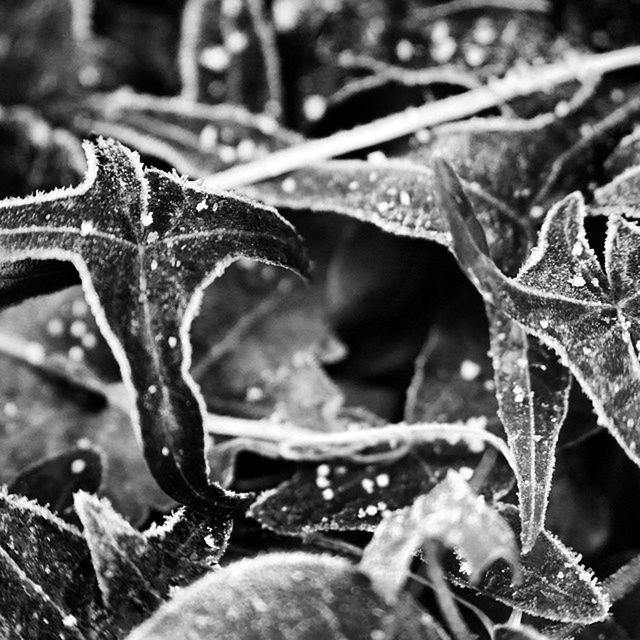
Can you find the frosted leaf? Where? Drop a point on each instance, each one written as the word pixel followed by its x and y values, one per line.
pixel 116 256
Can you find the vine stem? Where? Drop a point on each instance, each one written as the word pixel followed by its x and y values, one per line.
pixel 297 444
pixel 515 84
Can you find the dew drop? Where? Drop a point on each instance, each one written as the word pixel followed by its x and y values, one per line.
pixel 314 107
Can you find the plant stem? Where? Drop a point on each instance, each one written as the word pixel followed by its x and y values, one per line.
pixel 624 580
pixel 514 85
pixel 447 604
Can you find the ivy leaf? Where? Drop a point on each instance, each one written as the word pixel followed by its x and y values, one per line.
pixel 47 582
pixel 278 595
pixel 554 584
pixel 531 385
pixel 170 239
pixel 343 495
pixel 53 481
pixel 562 296
pixel 35 157
pixel 136 571
pixel 451 513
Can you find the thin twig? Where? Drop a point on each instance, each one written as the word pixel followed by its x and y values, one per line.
pixel 514 85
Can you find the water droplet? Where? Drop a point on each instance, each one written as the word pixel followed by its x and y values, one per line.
pixel 469 370
pixel 314 107
pixel 172 341
pixel 368 485
pixel 76 354
pixel 215 59
pixel 404 50
pixel 86 227
pixel 78 466
pixel 236 42
pixel 78 328
pixel 55 327
pixel 289 185
pixel 254 394
pixel 382 480
pixel 327 494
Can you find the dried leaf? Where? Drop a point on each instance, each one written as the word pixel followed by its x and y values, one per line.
pixel 281 595
pixel 161 234
pixel 452 514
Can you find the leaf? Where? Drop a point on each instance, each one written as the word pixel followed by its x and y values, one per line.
pixel 259 344
pixel 136 571
pixel 344 495
pixel 280 595
pixel 159 232
pixel 533 397
pixel 519 632
pixel 228 54
pixel 34 157
pixel 194 138
pixel 452 514
pixel 51 402
pixel 554 584
pixel 45 51
pixel 453 375
pixel 53 481
pixel 47 582
pixel 531 386
pixel 562 296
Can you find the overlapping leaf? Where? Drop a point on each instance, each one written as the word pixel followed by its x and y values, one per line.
pixel 136 571
pixel 554 584
pixel 343 495
pixel 98 583
pixel 562 296
pixel 194 138
pixel 452 514
pixel 146 244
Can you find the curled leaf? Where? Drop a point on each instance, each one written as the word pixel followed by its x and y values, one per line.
pixel 554 585
pixel 451 513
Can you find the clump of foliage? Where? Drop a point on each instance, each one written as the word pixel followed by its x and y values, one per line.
pixel 318 318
